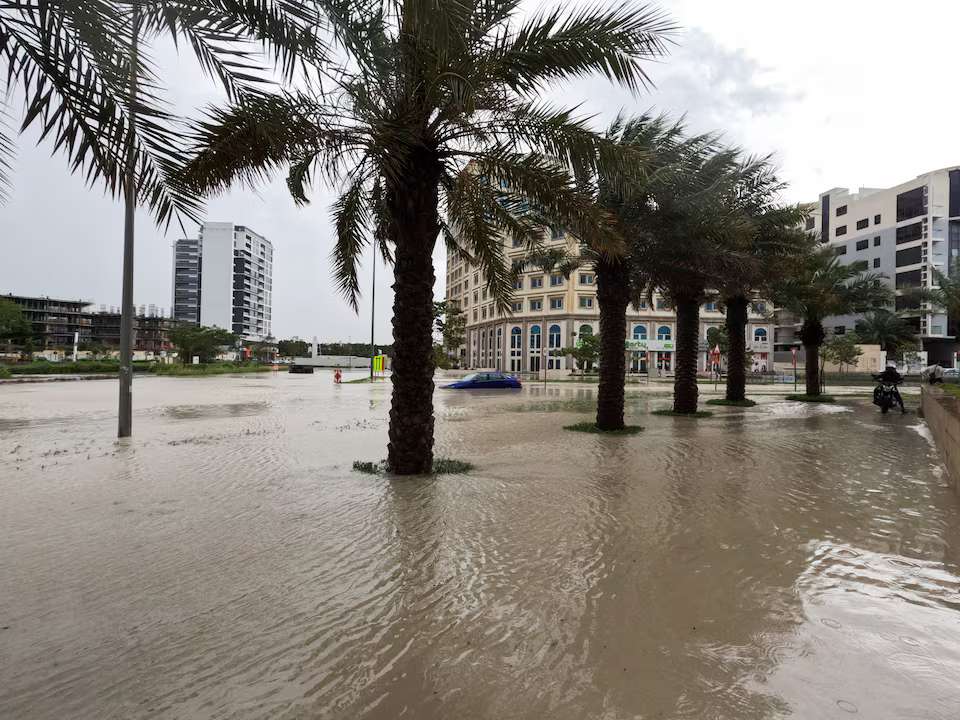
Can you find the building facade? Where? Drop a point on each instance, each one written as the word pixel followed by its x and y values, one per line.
pixel 550 312
pixel 224 278
pixel 905 232
pixel 54 323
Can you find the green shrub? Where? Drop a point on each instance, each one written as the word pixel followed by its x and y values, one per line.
pixel 5 373
pixel 731 403
pixel 591 427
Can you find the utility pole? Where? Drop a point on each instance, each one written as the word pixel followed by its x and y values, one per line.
pixel 125 420
pixel 373 300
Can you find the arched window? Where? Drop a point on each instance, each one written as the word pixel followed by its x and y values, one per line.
pixel 663 332
pixel 759 335
pixel 554 337
pixel 639 332
pixel 535 337
pixel 586 331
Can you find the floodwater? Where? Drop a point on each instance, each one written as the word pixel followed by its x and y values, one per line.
pixel 784 561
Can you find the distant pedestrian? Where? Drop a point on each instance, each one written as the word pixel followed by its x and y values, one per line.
pixel 337 376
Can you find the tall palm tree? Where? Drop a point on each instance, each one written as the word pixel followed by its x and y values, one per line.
pixel 686 251
pixel 428 88
pixel 817 286
pixel 886 329
pixel 660 139
pixel 770 235
pixel 87 79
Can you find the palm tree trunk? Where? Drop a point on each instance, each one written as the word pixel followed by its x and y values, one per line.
pixel 685 389
pixel 413 227
pixel 613 294
pixel 812 335
pixel 737 351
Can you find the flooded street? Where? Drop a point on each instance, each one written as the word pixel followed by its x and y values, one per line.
pixel 783 561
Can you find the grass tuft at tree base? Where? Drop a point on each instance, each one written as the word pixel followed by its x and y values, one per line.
pixel 591 427
pixel 812 398
pixel 731 403
pixel 441 466
pixel 669 412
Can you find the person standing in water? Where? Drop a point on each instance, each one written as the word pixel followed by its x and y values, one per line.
pixel 337 376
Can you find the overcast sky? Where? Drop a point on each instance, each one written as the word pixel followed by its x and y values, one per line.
pixel 843 94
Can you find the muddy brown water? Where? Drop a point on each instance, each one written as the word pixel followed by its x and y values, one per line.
pixel 784 561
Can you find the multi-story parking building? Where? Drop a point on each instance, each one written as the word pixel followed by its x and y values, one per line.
pixel 905 232
pixel 224 278
pixel 550 312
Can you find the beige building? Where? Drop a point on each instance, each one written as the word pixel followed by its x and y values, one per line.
pixel 550 312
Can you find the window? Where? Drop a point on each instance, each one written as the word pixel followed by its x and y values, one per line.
pixel 535 337
pixel 760 335
pixel 710 307
pixel 861 224
pixel 586 302
pixel 639 332
pixel 909 233
pixel 536 304
pixel 876 241
pixel 841 230
pixel 483 314
pixel 586 278
pixel 476 297
pixel 863 244
pixel 586 331
pixel 474 313
pixel 840 330
pixel 905 302
pixel 556 303
pixel 553 337
pixel 810 223
pixel 556 280
pixel 910 279
pixel 516 307
pixel 910 256
pixel 842 250
pixel 876 262
pixel 556 233
pixel 517 242
pixel 536 282
pixel 664 333
pixel 876 219
pixel 661 304
pixel 912 203
pixel 842 210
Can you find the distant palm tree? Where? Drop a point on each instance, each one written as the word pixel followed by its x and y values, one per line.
pixel 429 87
pixel 686 250
pixel 771 235
pixel 817 286
pixel 886 329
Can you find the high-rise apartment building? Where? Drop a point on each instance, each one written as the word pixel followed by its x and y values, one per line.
pixel 224 278
pixel 905 232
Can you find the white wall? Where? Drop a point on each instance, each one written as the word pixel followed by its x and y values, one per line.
pixel 216 287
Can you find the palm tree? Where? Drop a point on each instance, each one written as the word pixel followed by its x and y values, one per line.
pixel 428 88
pixel 817 286
pixel 686 250
pixel 87 79
pixel 886 329
pixel 660 140
pixel 771 234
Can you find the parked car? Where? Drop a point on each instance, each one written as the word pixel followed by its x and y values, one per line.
pixel 485 381
pixel 950 372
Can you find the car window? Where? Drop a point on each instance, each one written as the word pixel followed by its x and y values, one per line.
pixel 471 377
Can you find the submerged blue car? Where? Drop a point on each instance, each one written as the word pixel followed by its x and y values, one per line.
pixel 485 381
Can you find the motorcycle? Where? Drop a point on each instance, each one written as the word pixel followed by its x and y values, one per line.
pixel 885 395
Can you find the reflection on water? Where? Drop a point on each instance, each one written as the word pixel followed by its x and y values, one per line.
pixel 787 560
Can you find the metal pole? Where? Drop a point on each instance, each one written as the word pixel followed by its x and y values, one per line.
pixel 125 420
pixel 543 362
pixel 373 299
